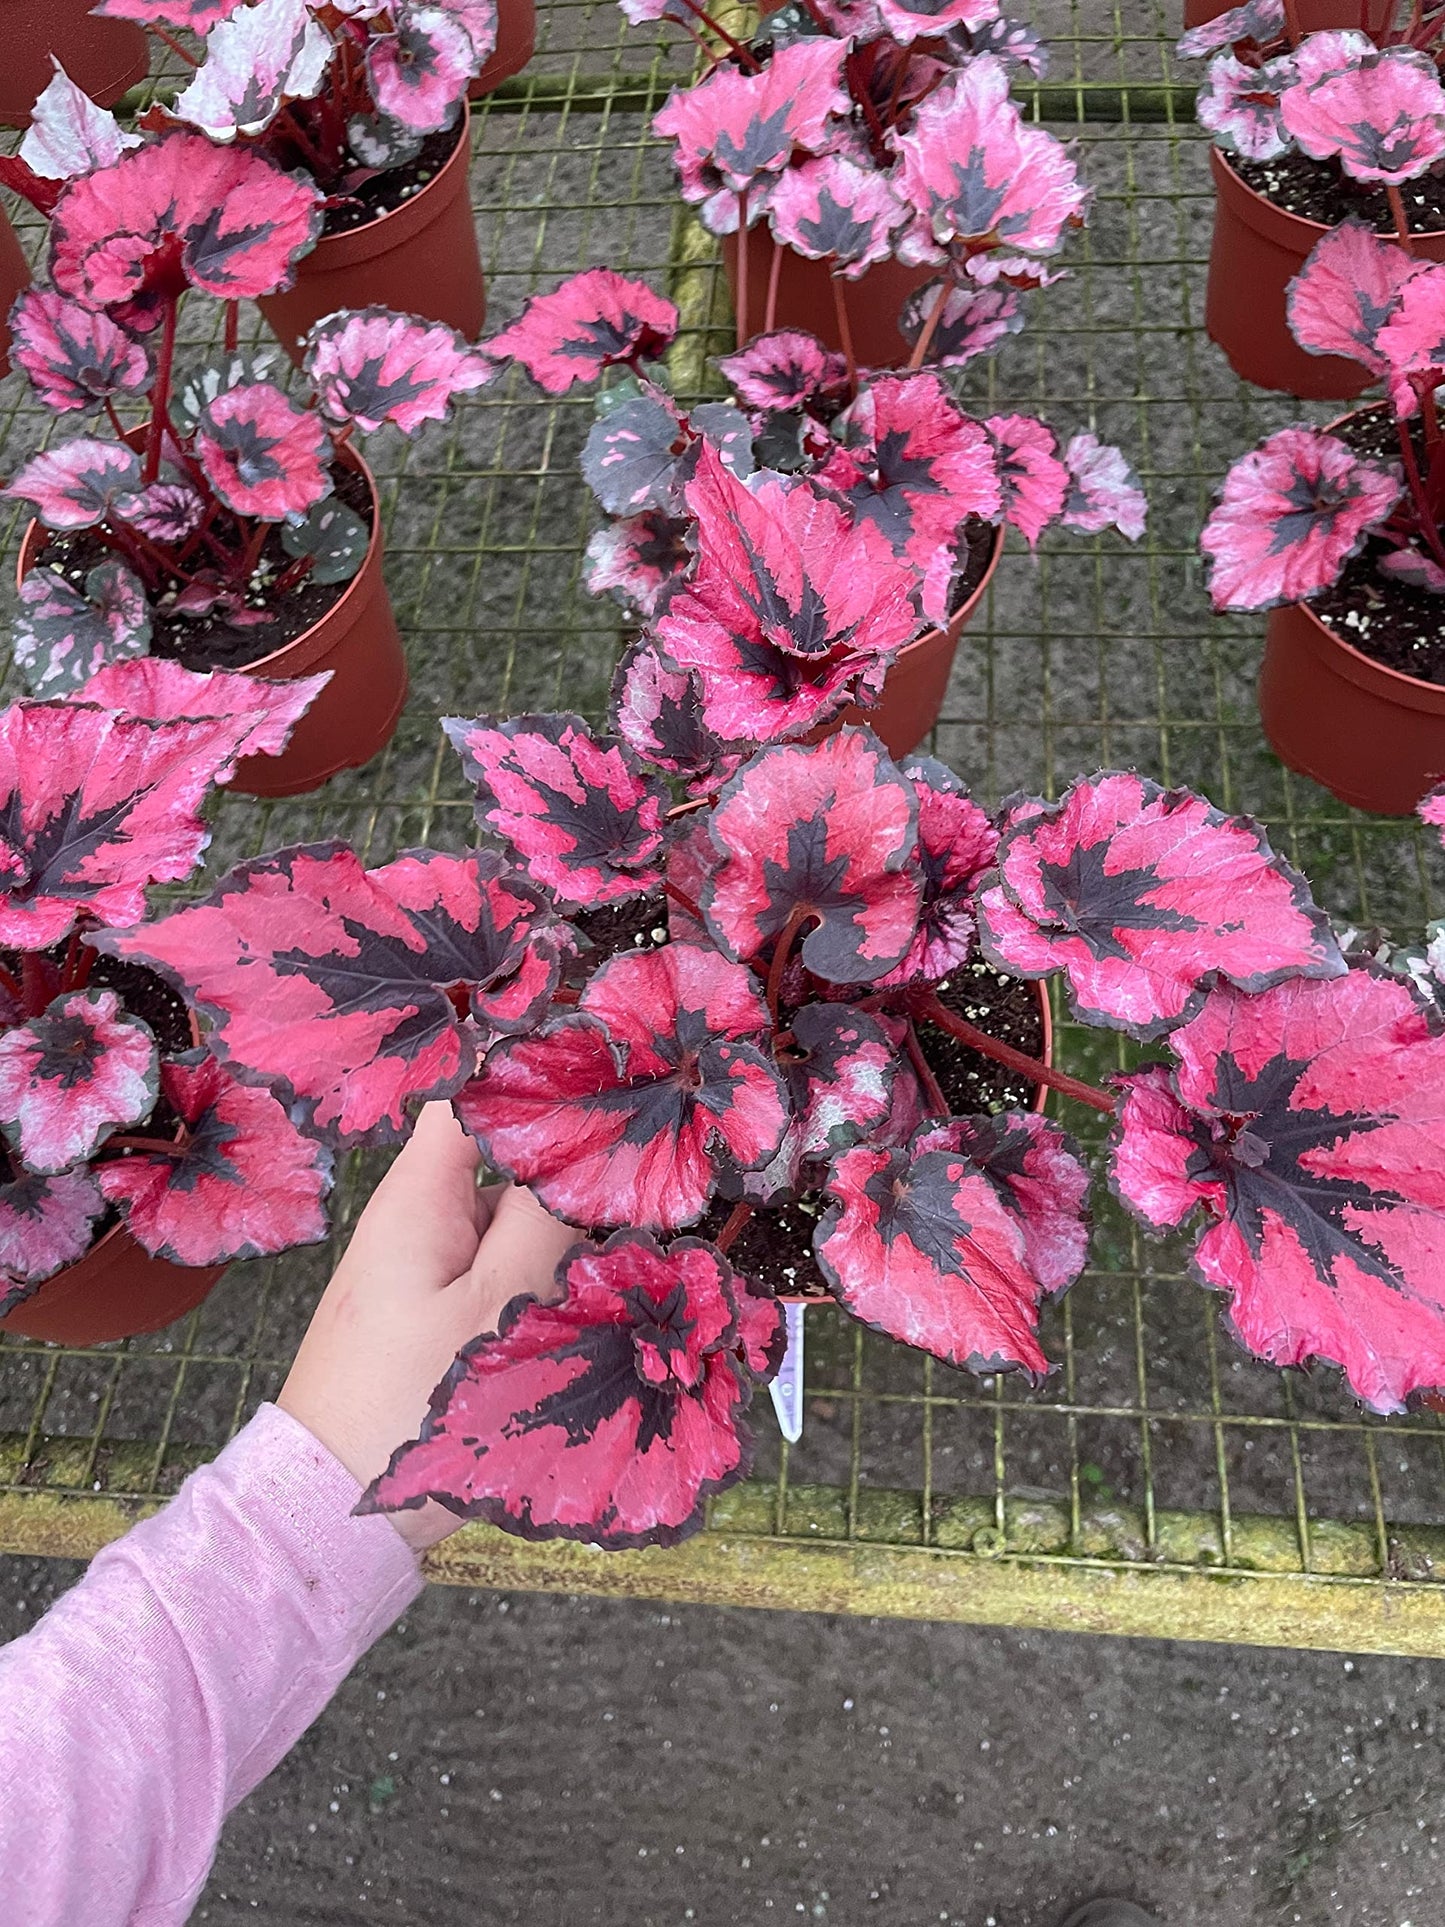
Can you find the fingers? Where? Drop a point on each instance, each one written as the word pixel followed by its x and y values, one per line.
pixel 520 1251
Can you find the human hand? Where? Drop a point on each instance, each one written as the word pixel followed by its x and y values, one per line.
pixel 430 1265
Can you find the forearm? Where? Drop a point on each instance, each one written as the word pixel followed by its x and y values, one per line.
pixel 158 1692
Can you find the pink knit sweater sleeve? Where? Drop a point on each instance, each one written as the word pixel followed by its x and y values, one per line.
pixel 161 1689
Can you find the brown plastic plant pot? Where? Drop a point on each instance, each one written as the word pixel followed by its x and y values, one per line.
pixel 805 299
pixel 1373 737
pixel 914 688
pixel 356 714
pixel 1257 251
pixel 421 258
pixel 1315 16
pixel 516 43
pixel 14 275
pixel 105 58
pixel 117 1290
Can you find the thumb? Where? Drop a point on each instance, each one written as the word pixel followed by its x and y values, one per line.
pixel 521 1248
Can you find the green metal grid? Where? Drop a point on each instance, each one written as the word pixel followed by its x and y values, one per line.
pixel 1162 1482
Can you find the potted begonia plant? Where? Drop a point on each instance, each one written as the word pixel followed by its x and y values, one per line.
pixel 369 101
pixel 232 525
pixel 106 56
pixel 133 1165
pixel 888 497
pixel 1340 533
pixel 745 1024
pixel 870 157
pixel 1308 133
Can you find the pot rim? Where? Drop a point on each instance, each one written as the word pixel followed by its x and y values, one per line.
pixel 353 245
pixel 1270 215
pixel 31 549
pixel 954 626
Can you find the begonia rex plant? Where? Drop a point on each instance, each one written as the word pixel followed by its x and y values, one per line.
pixel 344 90
pixel 109 1107
pixel 863 131
pixel 709 1008
pixel 1293 512
pixel 792 539
pixel 1367 102
pixel 219 500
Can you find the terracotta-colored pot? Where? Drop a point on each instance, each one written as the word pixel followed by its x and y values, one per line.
pixel 117 1290
pixel 1373 737
pixel 1258 249
pixel 14 275
pixel 1315 16
pixel 421 258
pixel 516 43
pixel 915 686
pixel 805 298
pixel 103 57
pixel 356 714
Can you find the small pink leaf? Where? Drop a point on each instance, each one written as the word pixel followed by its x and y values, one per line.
pixel 168 512
pixel 608 1418
pixel 1412 566
pixel 1035 483
pixel 1411 342
pixel 1104 492
pixel 973 322
pixel 371 366
pixel 45 1224
pixel 1382 117
pixel 931 19
pixel 1345 293
pixel 1142 896
pixel 628 1110
pixel 830 208
pixel 262 454
pixel 1258 20
pixel 1039 1176
pixel 68 134
pixel 419 72
pixel 1289 516
pixel 637 560
pixel 73 486
pixel 595 320
pixel 733 129
pixel 256 60
pixel 75 358
pixel 243 1182
pixel 1240 106
pixel 262 713
pixel 784 370
pixel 1431 810
pixel 657 711
pixel 957 845
pixel 840 1073
pixel 71 1076
pixel 581 815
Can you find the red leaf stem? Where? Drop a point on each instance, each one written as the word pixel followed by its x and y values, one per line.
pixel 928 1006
pixel 742 314
pixel 845 333
pixel 736 1219
pixel 1428 526
pixel 770 312
pixel 932 1090
pixel 797 917
pixel 161 393
pixel 930 326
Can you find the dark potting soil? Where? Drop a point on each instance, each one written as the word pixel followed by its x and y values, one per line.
pixel 1390 622
pixel 978 537
pixel 384 193
pixel 1322 191
pixel 638 924
pixel 776 1246
pixel 211 642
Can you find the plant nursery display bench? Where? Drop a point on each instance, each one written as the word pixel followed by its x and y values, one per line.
pixel 1160 1480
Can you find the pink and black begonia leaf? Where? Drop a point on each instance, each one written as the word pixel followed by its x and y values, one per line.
pixel 1240 106
pixel 168 512
pixel 199 15
pixel 627 1110
pixel 75 357
pixel 593 321
pixel 45 1224
pixel 242 1181
pixel 1290 515
pixel 182 212
pixel 261 57
pixel 657 711
pixel 63 635
pixel 1309 1122
pixel 369 366
pixel 832 209
pixel 74 485
pixel 419 72
pixel 918 469
pixel 1034 480
pixel 957 846
pixel 377 141
pixel 333 536
pixel 784 370
pixel 820 838
pixel 583 817
pixel 1383 118
pixel 262 454
pixel 638 559
pixel 93 807
pixel 1411 340
pixel 71 1076
pixel 68 134
pixel 1345 293
pixel 917 1243
pixel 1262 21
pixel 1104 492
pixel 840 1072
pixel 973 322
pixel 260 713
pixel 727 431
pixel 1040 1177
pixel 630 456
pixel 1414 567
pixel 478 20
pixel 733 129
pixel 930 19
pixel 1142 896
pixel 1014 42
pixel 196 388
pixel 609 1417
pixel 979 175
pixel 358 993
